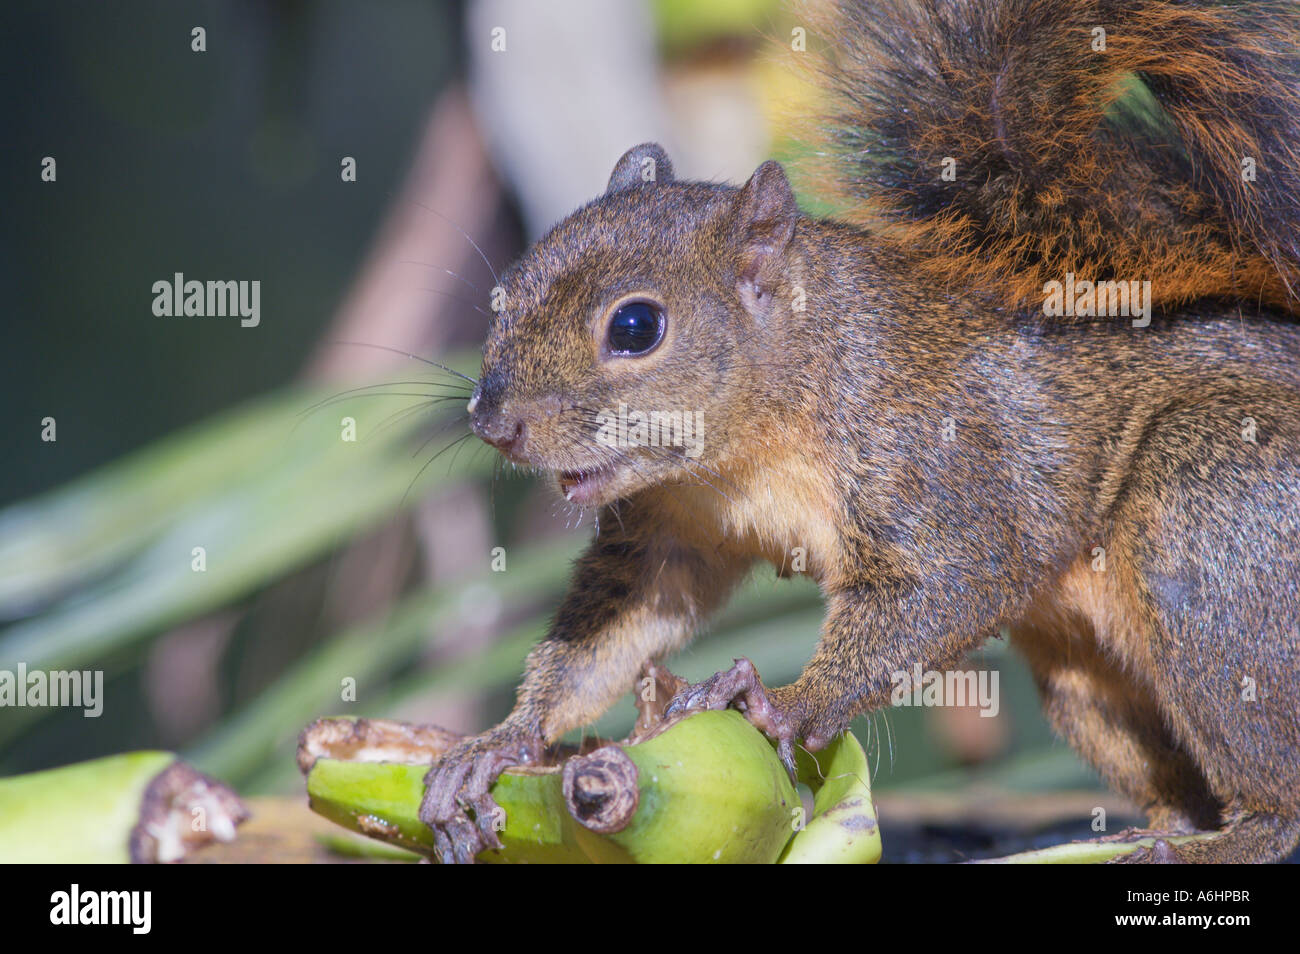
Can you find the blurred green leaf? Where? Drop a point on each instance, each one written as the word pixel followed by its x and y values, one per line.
pixel 263 491
pixel 368 653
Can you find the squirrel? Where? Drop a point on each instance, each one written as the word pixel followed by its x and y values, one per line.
pixel 934 396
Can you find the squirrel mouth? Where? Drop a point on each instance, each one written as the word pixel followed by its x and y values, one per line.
pixel 583 486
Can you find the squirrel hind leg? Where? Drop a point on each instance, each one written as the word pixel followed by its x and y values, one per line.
pixel 1246 838
pixel 1203 558
pixel 1117 729
pixel 1198 603
pixel 1097 705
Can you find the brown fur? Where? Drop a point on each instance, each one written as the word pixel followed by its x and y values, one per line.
pixel 948 465
pixel 1054 140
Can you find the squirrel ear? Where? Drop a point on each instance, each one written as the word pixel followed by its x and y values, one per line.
pixel 646 163
pixel 766 213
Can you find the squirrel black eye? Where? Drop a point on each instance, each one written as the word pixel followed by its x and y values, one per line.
pixel 635 328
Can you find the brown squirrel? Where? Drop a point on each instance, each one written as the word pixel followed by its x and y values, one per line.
pixel 954 452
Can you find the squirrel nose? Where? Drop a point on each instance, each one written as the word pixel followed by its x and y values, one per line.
pixel 490 416
pixel 505 432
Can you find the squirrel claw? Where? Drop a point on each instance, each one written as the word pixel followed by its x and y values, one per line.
pixel 1160 852
pixel 741 688
pixel 460 784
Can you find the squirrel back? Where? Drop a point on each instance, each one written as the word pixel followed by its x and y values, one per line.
pixel 1002 144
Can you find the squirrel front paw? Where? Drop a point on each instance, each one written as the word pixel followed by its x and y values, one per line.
pixel 458 804
pixel 778 713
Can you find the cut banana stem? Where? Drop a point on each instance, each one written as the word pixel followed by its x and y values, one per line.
pixel 709 788
pixel 140 806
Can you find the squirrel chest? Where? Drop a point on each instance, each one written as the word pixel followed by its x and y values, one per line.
pixel 781 512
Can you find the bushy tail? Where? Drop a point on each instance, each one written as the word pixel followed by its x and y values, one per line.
pixel 1006 143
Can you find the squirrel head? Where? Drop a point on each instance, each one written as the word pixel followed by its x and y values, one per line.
pixel 628 344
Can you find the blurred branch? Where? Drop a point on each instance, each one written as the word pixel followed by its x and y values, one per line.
pixel 413 283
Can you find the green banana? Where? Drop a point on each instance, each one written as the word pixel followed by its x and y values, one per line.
pixel 139 806
pixel 843 829
pixel 706 788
